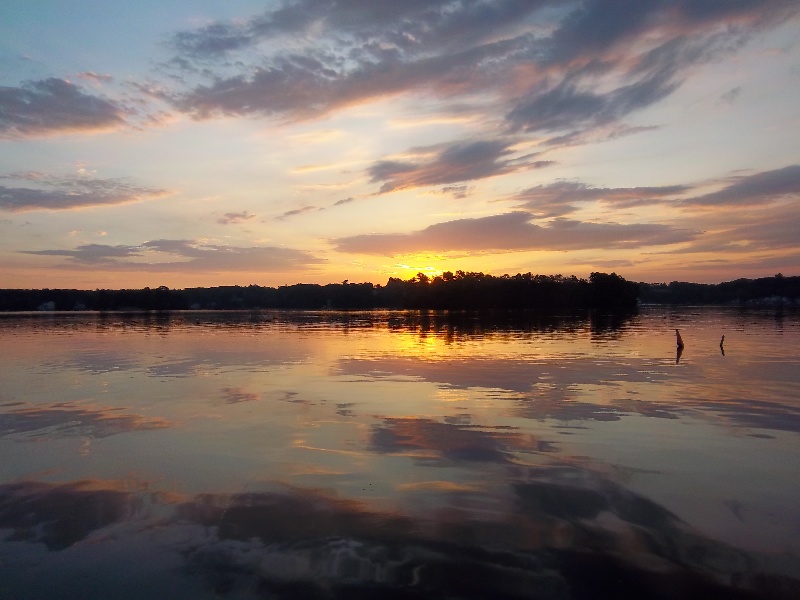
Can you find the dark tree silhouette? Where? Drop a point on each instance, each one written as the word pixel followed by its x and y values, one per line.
pixel 450 291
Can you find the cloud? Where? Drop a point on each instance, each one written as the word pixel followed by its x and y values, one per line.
pixel 309 86
pixel 601 93
pixel 166 256
pixel 213 39
pixel 92 254
pixel 229 218
pixel 456 191
pixel 295 212
pixel 56 192
pixel 379 28
pixel 560 198
pixel 97 77
pixel 608 60
pixel 568 106
pixel 731 95
pixel 207 256
pixel 315 57
pixel 450 163
pixel 596 27
pixel 764 187
pixel 775 230
pixel 513 232
pixel 54 106
pixel 545 65
pixel 745 229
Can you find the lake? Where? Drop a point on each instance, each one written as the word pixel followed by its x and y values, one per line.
pixel 390 454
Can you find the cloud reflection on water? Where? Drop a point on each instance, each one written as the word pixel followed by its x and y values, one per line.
pixel 515 375
pixel 430 440
pixel 567 533
pixel 73 420
pixel 559 387
pixel 235 395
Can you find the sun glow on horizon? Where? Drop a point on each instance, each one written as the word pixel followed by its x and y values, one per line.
pixel 417 264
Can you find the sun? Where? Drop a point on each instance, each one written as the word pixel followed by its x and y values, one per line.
pixel 417 264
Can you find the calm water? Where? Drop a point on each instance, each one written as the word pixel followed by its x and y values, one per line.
pixel 400 455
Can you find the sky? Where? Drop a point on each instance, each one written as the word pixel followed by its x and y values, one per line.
pixel 205 143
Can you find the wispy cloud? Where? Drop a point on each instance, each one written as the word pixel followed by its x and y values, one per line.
pixel 233 218
pixel 296 211
pixel 96 77
pixel 569 106
pixel 459 191
pixel 166 255
pixel 573 67
pixel 562 197
pixel 760 188
pixel 450 163
pixel 765 227
pixel 731 95
pixel 93 254
pixel 367 53
pixel 748 213
pixel 43 191
pixel 607 60
pixel 53 106
pixel 514 231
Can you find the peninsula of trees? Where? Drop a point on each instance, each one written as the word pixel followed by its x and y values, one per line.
pixel 450 291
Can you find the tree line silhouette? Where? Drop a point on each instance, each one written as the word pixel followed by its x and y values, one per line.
pixel 765 290
pixel 449 291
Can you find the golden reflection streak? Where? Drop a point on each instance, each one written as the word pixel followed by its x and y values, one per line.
pixel 437 486
pixel 302 470
pixel 421 344
pixel 299 444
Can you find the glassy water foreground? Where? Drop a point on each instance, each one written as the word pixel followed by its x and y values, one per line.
pixel 400 455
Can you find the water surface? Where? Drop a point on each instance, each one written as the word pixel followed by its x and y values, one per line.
pixel 400 455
